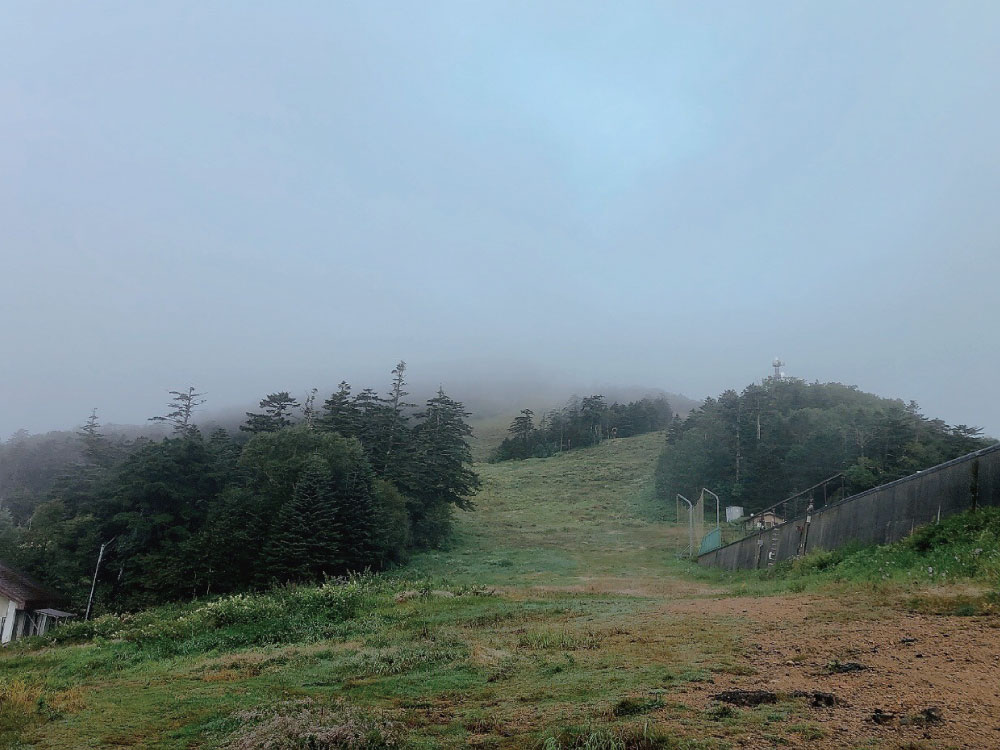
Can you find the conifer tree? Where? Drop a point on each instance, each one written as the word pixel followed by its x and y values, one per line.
pixel 277 408
pixel 183 405
pixel 358 535
pixel 340 413
pixel 96 447
pixel 441 477
pixel 306 543
pixel 309 409
pixel 394 420
pixel 368 409
pixel 443 454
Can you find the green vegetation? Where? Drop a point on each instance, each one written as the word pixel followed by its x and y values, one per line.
pixel 559 616
pixel 964 547
pixel 772 440
pixel 532 628
pixel 579 424
pixel 350 487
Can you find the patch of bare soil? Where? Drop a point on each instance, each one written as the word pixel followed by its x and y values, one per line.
pixel 625 586
pixel 898 680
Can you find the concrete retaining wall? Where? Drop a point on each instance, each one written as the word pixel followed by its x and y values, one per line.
pixel 878 516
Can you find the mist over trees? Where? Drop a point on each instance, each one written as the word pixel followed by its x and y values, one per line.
pixel 296 494
pixel 581 423
pixel 780 437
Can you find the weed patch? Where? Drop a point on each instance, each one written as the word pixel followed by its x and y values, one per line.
pixel 644 737
pixel 632 706
pixel 307 725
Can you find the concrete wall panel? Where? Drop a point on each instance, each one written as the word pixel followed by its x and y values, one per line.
pixel 878 516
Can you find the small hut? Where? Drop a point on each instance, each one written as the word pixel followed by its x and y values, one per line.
pixel 766 520
pixel 26 607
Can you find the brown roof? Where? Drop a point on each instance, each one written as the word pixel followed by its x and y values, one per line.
pixel 25 592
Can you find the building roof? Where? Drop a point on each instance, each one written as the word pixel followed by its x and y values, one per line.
pixel 24 591
pixel 54 613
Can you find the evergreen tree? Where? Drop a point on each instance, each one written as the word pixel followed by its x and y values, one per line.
pixel 394 422
pixel 443 477
pixel 183 406
pixel 159 499
pixel 277 408
pixel 306 541
pixel 359 535
pixel 340 414
pixel 309 408
pixel 369 411
pixel 96 446
pixel 523 426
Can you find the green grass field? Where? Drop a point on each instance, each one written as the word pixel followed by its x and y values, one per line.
pixel 560 617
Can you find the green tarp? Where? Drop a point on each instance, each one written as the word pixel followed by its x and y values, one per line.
pixel 711 540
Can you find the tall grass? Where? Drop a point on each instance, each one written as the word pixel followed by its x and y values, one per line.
pixel 290 614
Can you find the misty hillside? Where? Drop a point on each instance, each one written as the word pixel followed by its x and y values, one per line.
pixel 561 616
pixel 784 435
pixel 31 464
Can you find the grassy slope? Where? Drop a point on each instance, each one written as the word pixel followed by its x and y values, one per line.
pixel 577 572
pixel 593 626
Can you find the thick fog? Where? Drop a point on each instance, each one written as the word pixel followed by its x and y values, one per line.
pixel 258 197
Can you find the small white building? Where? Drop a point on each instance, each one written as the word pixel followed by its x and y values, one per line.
pixel 734 513
pixel 26 607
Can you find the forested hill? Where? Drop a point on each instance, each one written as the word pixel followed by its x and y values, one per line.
pixel 300 492
pixel 782 436
pixel 580 424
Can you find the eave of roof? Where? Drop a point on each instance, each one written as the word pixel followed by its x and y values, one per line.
pixel 24 591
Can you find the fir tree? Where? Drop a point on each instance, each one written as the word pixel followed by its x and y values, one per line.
pixel 183 406
pixel 394 420
pixel 306 543
pixel 96 446
pixel 277 407
pixel 340 413
pixel 443 454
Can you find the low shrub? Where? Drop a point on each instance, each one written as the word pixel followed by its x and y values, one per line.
pixel 307 725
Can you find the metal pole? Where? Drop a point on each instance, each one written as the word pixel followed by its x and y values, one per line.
pixel 93 583
pixel 690 523
pixel 718 522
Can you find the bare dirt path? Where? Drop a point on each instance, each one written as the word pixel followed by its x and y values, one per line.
pixel 900 680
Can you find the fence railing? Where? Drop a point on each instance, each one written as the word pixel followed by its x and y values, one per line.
pixel 877 516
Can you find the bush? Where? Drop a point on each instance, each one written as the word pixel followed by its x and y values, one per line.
pixel 306 725
pixel 290 614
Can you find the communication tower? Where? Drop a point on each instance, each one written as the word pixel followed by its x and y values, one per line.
pixel 778 364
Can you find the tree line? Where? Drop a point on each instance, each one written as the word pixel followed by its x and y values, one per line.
pixel 784 435
pixel 299 492
pixel 581 423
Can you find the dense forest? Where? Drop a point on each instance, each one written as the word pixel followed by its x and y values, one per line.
pixel 783 436
pixel 580 423
pixel 301 491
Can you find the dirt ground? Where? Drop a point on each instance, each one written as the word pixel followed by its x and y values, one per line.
pixel 885 668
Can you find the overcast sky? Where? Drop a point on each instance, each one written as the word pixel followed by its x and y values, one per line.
pixel 250 197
